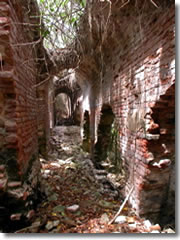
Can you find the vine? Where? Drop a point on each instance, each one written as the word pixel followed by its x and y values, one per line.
pixel 60 19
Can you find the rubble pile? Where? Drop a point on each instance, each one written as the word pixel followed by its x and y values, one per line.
pixel 78 198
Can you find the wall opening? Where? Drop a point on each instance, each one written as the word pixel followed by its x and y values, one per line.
pixel 163 151
pixel 106 148
pixel 63 110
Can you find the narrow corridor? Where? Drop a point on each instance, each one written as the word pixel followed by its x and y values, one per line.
pixel 77 197
pixel 107 67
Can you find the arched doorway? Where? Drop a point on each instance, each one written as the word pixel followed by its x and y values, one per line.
pixel 63 111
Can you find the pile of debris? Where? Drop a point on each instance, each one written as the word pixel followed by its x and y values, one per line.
pixel 78 198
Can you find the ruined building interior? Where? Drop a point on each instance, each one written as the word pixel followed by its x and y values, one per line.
pixel 115 83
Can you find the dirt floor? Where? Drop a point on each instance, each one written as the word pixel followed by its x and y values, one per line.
pixel 78 198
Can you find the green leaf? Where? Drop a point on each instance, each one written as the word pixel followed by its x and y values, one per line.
pixel 63 14
pixel 59 208
pixel 65 3
pixel 78 213
pixel 47 20
pixel 72 20
pixel 83 3
pixel 53 197
pixel 75 24
pixel 106 204
pixel 45 33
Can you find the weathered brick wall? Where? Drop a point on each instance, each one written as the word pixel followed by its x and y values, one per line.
pixel 19 165
pixel 141 94
pixel 9 139
pixel 25 74
pixel 18 74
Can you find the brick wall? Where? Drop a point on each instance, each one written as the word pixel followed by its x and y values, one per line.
pixel 18 78
pixel 139 84
pixel 19 165
pixel 25 74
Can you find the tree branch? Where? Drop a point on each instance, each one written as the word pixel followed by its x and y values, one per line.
pixel 122 206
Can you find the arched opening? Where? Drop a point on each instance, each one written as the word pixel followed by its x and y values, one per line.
pixel 106 147
pixel 63 110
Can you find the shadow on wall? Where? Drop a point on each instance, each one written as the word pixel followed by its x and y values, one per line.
pixel 163 116
pixel 106 150
pixel 77 111
pixel 86 132
pixel 163 149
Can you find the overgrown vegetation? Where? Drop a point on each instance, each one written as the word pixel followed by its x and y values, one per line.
pixel 59 20
pixel 113 154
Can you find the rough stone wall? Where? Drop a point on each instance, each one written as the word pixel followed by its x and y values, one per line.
pixel 139 84
pixel 19 165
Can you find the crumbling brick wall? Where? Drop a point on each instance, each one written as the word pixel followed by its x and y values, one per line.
pixel 19 165
pixel 142 96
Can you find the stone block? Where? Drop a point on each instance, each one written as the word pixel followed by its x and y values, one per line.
pixel 6 74
pixel 16 217
pixel 121 219
pixel 4 20
pixel 14 184
pixel 3 184
pixel 2 175
pixel 16 193
pixel 12 138
pixel 2 168
pixel 10 126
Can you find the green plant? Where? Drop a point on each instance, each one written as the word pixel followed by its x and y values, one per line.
pixel 60 19
pixel 113 153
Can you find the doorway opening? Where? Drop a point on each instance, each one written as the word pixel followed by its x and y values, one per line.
pixel 106 148
pixel 63 111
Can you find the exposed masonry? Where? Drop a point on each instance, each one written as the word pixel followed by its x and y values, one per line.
pixel 142 96
pixel 20 115
pixel 138 85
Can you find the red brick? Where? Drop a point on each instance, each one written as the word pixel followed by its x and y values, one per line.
pixel 142 79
